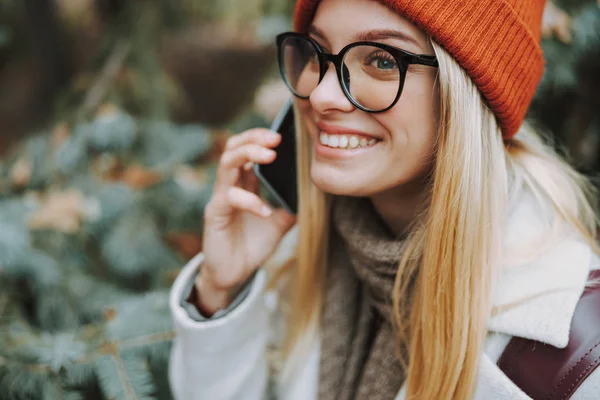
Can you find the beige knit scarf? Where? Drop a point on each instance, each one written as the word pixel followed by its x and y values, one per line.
pixel 358 354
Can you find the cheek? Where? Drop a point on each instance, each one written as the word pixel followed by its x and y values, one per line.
pixel 413 125
pixel 413 121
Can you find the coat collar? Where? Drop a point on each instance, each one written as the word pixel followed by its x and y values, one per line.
pixel 536 293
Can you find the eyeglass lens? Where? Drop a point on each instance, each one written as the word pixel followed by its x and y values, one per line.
pixel 370 74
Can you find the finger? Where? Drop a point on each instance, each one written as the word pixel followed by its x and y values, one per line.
pixel 260 136
pixel 243 200
pixel 249 181
pixel 250 153
pixel 228 172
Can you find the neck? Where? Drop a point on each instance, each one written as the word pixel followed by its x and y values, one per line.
pixel 398 207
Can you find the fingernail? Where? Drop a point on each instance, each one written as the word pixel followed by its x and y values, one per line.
pixel 266 153
pixel 266 211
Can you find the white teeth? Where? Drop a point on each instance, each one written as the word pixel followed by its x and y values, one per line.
pixel 334 141
pixel 324 138
pixel 343 141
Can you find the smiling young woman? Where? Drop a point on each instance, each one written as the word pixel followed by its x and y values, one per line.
pixel 434 225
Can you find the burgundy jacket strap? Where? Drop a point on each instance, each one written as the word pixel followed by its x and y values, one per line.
pixel 546 373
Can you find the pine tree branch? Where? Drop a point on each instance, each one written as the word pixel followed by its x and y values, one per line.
pixel 98 90
pixel 105 349
pixel 147 340
pixel 125 377
pixel 122 371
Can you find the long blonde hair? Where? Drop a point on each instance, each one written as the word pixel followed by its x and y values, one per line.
pixel 454 247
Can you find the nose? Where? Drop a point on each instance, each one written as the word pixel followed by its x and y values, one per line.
pixel 328 95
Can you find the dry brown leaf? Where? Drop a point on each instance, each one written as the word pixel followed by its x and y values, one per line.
pixel 187 244
pixel 191 178
pixel 75 10
pixel 170 276
pixel 220 141
pixel 109 348
pixel 106 109
pixel 59 135
pixel 20 173
pixel 62 211
pixel 139 177
pixel 107 166
pixel 110 167
pixel 110 314
pixel 556 22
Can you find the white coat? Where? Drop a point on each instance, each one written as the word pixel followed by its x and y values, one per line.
pixel 226 358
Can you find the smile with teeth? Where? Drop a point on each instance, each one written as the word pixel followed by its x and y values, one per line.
pixel 345 141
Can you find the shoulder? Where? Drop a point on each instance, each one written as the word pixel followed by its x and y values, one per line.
pixel 542 273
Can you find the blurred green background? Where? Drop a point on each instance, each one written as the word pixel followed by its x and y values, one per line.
pixel 113 114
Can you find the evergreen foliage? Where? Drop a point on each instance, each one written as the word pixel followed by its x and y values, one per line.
pixel 567 101
pixel 86 263
pixel 99 215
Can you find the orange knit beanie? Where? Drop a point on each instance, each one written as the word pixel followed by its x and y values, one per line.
pixel 497 42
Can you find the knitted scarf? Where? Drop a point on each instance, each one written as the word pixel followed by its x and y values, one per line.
pixel 358 352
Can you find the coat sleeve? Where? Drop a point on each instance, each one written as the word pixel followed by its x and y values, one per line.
pixel 224 358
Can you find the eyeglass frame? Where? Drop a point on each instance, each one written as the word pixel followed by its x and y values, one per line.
pixel 403 59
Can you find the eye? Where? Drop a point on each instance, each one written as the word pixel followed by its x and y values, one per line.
pixel 381 60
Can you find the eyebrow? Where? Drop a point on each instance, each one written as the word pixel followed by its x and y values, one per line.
pixel 372 36
pixel 317 32
pixel 381 34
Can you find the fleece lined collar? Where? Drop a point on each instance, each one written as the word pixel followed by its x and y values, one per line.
pixel 536 294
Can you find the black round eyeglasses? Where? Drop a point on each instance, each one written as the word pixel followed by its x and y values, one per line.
pixel 371 74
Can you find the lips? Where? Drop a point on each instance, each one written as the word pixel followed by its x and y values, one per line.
pixel 338 137
pixel 340 130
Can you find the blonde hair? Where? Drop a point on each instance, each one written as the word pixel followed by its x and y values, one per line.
pixel 442 316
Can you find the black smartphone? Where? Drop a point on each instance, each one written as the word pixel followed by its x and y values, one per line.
pixel 279 177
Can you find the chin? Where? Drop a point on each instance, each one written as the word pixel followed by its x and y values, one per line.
pixel 336 184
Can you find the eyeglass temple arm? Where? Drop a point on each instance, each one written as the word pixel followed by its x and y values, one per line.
pixel 424 60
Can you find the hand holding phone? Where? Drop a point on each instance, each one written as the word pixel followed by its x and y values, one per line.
pixel 240 230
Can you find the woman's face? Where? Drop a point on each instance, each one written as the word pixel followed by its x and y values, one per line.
pixel 404 136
